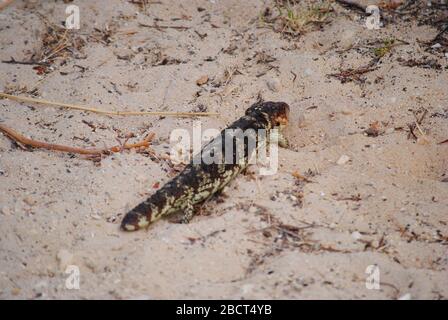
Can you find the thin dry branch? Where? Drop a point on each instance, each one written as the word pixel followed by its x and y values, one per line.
pixel 14 61
pixel 156 26
pixel 352 74
pixel 112 113
pixel 17 137
pixel 5 3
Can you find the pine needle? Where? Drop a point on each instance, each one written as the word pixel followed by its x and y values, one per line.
pixel 112 113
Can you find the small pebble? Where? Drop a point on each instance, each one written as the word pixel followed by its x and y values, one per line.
pixel 356 235
pixel 343 159
pixel 406 296
pixel 90 264
pixel 202 80
pixel 15 291
pixel 274 84
pixel 30 200
pixel 124 53
pixel 6 211
pixel 139 58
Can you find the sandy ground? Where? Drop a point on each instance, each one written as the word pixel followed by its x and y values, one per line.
pixel 369 199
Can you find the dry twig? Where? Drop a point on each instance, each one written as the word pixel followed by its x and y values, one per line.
pixel 18 138
pixel 5 3
pixel 352 74
pixel 160 27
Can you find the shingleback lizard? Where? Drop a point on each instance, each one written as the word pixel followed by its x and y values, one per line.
pixel 199 181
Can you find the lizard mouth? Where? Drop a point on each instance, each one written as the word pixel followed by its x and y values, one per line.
pixel 282 120
pixel 282 116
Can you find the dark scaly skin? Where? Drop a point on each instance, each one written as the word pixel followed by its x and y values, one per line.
pixel 198 182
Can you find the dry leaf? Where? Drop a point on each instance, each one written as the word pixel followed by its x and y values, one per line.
pixel 373 130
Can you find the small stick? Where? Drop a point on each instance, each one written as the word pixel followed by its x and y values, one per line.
pixel 440 34
pixel 113 113
pixel 17 137
pixel 351 74
pixel 5 3
pixel 420 120
pixel 411 131
pixel 420 129
pixel 295 76
pixel 156 26
pixel 14 61
pixel 144 2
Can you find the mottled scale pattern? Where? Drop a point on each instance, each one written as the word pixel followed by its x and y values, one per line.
pixel 199 181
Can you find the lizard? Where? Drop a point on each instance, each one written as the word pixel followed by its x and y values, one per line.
pixel 200 180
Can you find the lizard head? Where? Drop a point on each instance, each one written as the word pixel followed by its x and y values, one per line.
pixel 277 113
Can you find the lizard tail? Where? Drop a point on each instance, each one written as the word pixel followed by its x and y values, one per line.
pixel 137 218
